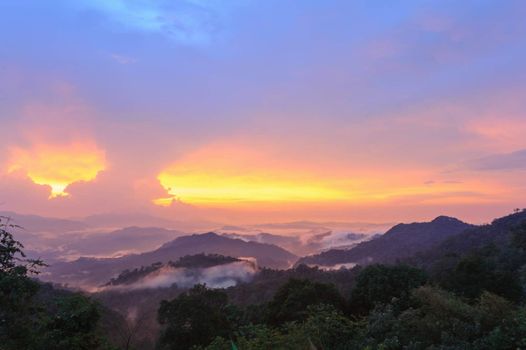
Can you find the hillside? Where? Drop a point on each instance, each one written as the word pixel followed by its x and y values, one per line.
pixel 497 234
pixel 401 241
pixel 92 272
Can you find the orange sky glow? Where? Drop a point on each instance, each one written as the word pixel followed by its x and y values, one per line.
pixel 57 166
pixel 236 111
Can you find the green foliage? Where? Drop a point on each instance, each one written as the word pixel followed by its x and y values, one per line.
pixel 16 291
pixel 519 236
pixel 193 318
pixel 267 282
pixel 218 344
pixel 26 322
pixel 16 310
pixel 261 337
pixel 324 328
pixel 72 324
pixel 441 320
pixel 482 271
pixel 381 284
pixel 292 300
pixel 509 334
pixel 328 328
pixel 12 258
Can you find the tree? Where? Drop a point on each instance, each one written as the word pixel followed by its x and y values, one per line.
pixel 328 328
pixel 129 332
pixel 292 300
pixel 16 290
pixel 510 334
pixel 193 318
pixel 519 236
pixel 441 320
pixel 324 328
pixel 479 272
pixel 71 324
pixel 380 284
pixel 30 319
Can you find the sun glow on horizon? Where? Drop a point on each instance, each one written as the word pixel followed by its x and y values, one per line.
pixel 231 176
pixel 213 188
pixel 58 166
pixel 226 176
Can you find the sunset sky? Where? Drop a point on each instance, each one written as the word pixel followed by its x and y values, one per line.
pixel 263 111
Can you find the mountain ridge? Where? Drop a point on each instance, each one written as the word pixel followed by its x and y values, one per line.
pixel 91 272
pixel 401 241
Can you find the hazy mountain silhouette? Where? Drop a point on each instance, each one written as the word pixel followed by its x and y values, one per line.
pixel 401 241
pixel 90 272
pixel 35 223
pixel 302 246
pixel 267 255
pixel 124 241
pixel 118 220
pixel 496 234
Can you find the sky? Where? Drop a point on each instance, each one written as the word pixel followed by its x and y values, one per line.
pixel 263 111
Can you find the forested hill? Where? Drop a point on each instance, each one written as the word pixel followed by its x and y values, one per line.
pixel 497 236
pixel 401 241
pixel 94 272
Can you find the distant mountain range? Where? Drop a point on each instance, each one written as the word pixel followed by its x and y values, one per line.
pixel 117 234
pixel 35 223
pixel 364 227
pixel 401 241
pixel 120 242
pixel 105 254
pixel 92 272
pixel 72 245
pixel 108 235
pixel 301 246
